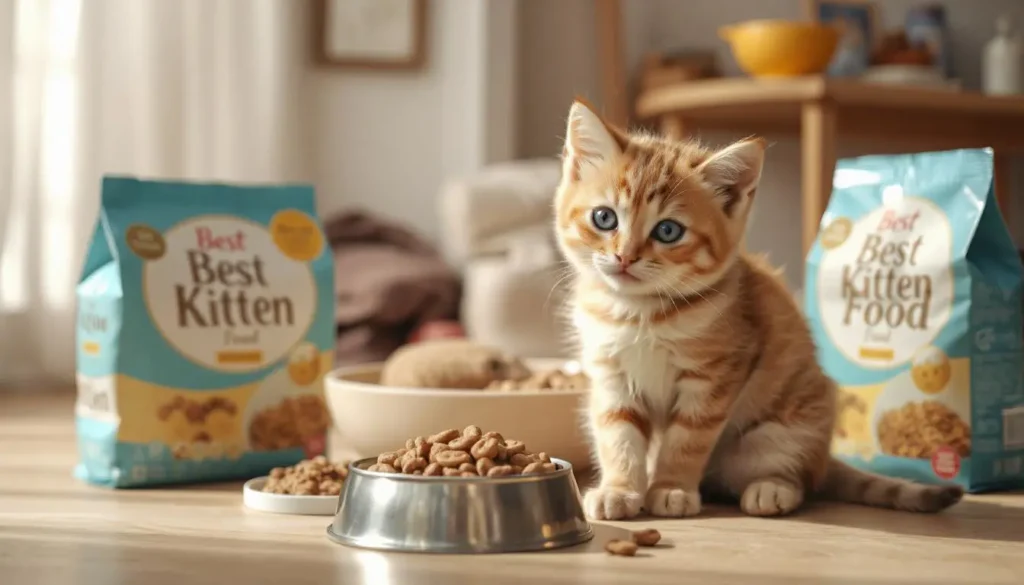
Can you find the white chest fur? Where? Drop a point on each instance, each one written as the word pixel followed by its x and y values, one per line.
pixel 647 366
pixel 638 351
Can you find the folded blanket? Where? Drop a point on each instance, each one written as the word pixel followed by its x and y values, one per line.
pixel 388 282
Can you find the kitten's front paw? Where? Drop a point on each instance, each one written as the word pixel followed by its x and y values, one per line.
pixel 608 503
pixel 673 502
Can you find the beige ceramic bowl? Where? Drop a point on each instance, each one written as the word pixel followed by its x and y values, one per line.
pixel 373 419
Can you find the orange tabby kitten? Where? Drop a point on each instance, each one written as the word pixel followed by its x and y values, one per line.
pixel 704 371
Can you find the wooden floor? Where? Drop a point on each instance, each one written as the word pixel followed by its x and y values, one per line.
pixel 54 530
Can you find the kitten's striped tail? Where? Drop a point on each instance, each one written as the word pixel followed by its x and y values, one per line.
pixel 848 484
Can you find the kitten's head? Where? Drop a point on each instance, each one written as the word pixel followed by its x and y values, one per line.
pixel 648 215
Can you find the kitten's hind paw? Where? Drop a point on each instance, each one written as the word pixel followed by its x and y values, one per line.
pixel 673 502
pixel 608 503
pixel 771 497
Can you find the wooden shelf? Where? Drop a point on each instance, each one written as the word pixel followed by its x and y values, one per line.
pixel 908 117
pixel 737 92
pixel 823 111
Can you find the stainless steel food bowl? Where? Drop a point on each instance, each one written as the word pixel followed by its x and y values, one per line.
pixel 412 513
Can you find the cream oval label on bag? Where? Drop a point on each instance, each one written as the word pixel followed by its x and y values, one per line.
pixel 226 296
pixel 887 289
pixel 205 327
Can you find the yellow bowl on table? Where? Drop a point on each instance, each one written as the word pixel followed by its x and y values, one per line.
pixel 781 48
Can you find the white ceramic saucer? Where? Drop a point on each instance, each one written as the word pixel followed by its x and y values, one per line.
pixel 254 498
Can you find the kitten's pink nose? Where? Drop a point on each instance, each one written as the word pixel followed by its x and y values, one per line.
pixel 625 262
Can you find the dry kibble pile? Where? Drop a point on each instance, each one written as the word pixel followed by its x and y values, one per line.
pixel 312 477
pixel 628 548
pixel 547 380
pixel 647 537
pixel 467 453
pixel 622 548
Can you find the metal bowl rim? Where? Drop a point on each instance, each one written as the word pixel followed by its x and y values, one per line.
pixel 565 468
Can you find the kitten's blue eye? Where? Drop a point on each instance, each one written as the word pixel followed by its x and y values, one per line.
pixel 604 218
pixel 668 231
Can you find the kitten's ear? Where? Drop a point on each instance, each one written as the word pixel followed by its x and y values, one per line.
pixel 590 143
pixel 735 172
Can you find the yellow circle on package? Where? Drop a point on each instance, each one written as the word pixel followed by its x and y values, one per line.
pixel 296 235
pixel 930 369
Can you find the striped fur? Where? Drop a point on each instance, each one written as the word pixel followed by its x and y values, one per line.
pixel 704 370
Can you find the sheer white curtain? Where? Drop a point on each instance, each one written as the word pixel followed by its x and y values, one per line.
pixel 192 89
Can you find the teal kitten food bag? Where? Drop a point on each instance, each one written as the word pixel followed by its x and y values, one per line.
pixel 913 292
pixel 205 326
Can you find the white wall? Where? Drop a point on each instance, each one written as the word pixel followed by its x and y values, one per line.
pixel 384 141
pixel 558 61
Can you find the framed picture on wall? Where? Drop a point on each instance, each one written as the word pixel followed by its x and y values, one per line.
pixel 370 34
pixel 857 21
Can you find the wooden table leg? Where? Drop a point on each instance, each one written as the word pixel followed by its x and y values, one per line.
pixel 818 162
pixel 1003 184
pixel 608 17
pixel 672 127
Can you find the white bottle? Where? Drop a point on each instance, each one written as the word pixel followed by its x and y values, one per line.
pixel 1002 68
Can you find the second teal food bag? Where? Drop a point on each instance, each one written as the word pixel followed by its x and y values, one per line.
pixel 913 292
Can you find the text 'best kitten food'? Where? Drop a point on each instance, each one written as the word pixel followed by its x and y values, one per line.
pixel 913 290
pixel 205 326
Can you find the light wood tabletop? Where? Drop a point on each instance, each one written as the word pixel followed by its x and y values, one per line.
pixel 54 530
